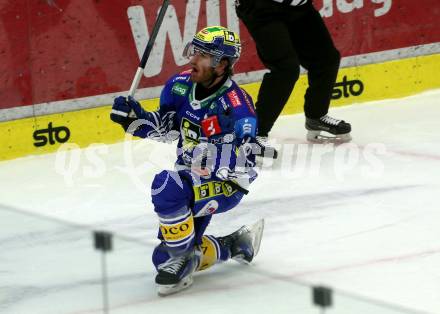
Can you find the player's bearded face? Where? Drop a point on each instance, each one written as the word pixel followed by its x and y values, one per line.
pixel 202 71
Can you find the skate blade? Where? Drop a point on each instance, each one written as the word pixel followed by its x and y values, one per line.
pixel 317 137
pixel 256 231
pixel 165 290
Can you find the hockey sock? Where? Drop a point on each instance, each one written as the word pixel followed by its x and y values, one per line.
pixel 212 252
pixel 178 231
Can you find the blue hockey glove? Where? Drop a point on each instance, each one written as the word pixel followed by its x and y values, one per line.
pixel 120 110
pixel 139 112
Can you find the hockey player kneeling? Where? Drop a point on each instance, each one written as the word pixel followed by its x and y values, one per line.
pixel 215 124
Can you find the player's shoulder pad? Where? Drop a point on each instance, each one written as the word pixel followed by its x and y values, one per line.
pixel 244 110
pixel 175 91
pixel 179 84
pixel 240 100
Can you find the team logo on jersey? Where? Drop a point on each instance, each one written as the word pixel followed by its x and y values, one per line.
pixel 191 132
pixel 234 99
pixel 179 89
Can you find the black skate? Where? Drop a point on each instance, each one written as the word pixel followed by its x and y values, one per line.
pixel 244 243
pixel 264 149
pixel 176 274
pixel 339 130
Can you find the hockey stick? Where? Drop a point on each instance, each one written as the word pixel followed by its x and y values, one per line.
pixel 237 187
pixel 147 51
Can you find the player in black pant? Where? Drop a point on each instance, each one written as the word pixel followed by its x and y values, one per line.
pixel 290 33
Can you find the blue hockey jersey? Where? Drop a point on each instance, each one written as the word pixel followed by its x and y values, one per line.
pixel 180 116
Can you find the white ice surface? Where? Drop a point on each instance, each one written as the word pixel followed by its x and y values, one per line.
pixel 362 218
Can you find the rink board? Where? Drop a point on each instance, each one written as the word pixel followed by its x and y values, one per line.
pixel 99 45
pixel 44 134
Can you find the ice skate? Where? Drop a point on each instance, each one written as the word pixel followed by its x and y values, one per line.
pixel 176 274
pixel 244 243
pixel 264 148
pixel 334 130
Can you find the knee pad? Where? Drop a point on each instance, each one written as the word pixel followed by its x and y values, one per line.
pixel 169 193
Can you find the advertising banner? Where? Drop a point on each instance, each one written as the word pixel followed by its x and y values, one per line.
pixel 55 50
